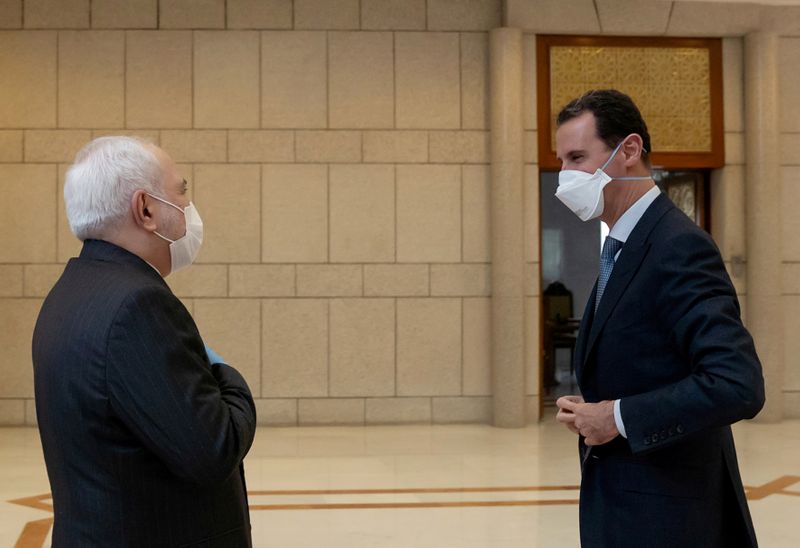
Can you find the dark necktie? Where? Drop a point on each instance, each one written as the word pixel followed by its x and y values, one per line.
pixel 610 249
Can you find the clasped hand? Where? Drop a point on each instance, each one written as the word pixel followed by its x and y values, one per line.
pixel 593 421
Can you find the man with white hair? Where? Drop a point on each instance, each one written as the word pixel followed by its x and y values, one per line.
pixel 143 428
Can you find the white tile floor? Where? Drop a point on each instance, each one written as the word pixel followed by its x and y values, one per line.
pixel 429 458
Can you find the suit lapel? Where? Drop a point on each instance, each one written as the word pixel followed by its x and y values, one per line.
pixel 630 258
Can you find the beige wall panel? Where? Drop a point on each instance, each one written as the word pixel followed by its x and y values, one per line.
pixel 529 112
pixel 532 277
pixel 734 148
pixel 531 197
pixel 124 14
pixel 67 245
pixel 398 410
pixel 328 146
pixel 459 147
pixel 91 79
pixel 361 79
pixel 553 16
pixel 362 210
pixel 728 210
pixel 393 15
pixel 146 135
pixel 733 83
pixel 259 14
pixel 200 280
pixel 712 19
pixel 325 412
pixel 474 81
pixel 477 347
pixel 17 319
pixel 229 199
pixel 791 278
pixel 633 16
pixel 12 412
pixel 396 280
pixel 56 14
pixel 789 83
pixel 294 213
pixel 295 348
pixel 533 352
pixel 30 413
pixel 10 14
pixel 791 405
pixel 29 60
pixel 191 14
pixel 40 278
pixel 158 81
pixel 11 146
pixel 322 280
pixel 790 149
pixel 461 280
pixel 429 347
pixel 232 327
pixel 276 412
pixel 780 18
pixel 28 213
pixel 260 146
pixel 428 213
pixel 531 147
pixel 790 195
pixel 462 410
pixel 428 77
pixel 395 146
pixel 294 80
pixel 195 145
pixel 464 14
pixel 11 280
pixel 476 214
pixel 791 305
pixel 262 280
pixel 324 14
pixel 57 145
pixel 362 347
pixel 226 79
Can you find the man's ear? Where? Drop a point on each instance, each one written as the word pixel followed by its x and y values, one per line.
pixel 142 210
pixel 632 149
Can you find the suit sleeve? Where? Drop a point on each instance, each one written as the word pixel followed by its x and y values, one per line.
pixel 724 384
pixel 198 418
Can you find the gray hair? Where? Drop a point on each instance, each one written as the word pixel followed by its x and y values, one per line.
pixel 100 184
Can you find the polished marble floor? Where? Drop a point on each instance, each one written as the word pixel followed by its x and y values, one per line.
pixel 464 486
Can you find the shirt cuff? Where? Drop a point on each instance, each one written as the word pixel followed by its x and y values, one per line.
pixel 618 420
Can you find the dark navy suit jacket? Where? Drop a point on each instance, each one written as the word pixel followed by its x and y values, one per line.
pixel 142 437
pixel 668 341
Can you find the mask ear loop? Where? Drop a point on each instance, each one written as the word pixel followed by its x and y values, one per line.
pixel 603 169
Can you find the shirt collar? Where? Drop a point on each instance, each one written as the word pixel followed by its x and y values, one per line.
pixel 625 225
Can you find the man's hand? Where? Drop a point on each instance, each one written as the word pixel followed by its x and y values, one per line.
pixel 594 421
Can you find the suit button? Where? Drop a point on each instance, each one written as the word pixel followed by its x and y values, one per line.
pixel 679 428
pixel 647 440
pixel 671 432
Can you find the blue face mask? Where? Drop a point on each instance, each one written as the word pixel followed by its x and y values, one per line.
pixel 582 192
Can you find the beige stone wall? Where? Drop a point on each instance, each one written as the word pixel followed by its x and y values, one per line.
pixel 338 152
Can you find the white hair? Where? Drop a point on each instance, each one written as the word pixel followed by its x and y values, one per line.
pixel 100 184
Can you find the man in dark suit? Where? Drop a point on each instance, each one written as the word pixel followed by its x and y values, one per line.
pixel 664 364
pixel 143 428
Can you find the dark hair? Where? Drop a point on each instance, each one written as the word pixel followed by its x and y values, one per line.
pixel 615 114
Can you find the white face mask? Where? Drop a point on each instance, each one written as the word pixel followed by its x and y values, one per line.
pixel 582 192
pixel 184 250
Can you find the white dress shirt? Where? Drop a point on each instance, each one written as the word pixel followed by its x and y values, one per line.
pixel 621 231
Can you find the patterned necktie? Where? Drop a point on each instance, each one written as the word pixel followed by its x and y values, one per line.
pixel 610 249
